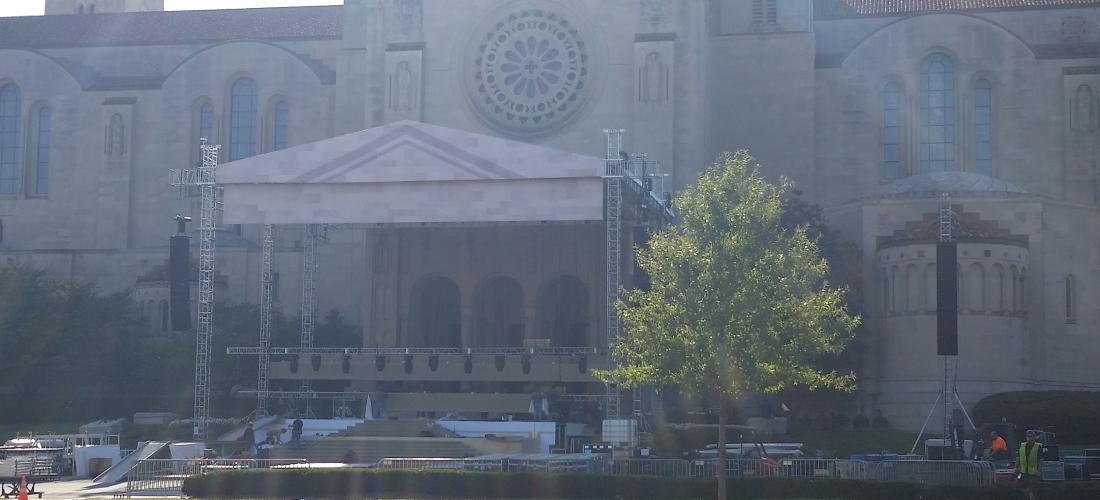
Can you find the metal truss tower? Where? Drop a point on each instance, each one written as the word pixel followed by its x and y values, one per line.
pixel 204 178
pixel 309 292
pixel 946 237
pixel 614 199
pixel 265 320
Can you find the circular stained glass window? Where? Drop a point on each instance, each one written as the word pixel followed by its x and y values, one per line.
pixel 529 73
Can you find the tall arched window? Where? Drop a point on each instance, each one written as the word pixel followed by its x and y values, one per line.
pixel 1071 299
pixel 91 8
pixel 42 156
pixel 282 117
pixel 206 122
pixel 891 131
pixel 937 114
pixel 79 9
pixel 10 102
pixel 983 127
pixel 242 125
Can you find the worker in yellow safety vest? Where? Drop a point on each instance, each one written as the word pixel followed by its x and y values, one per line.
pixel 1029 464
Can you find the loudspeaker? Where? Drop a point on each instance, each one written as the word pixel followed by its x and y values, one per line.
pixel 179 282
pixel 947 300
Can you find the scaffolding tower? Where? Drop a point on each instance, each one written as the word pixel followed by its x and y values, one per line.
pixel 266 298
pixel 310 233
pixel 203 177
pixel 614 199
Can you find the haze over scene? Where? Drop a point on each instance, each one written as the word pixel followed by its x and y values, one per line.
pixel 37 7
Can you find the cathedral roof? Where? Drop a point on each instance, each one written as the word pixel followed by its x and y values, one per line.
pixel 837 9
pixel 149 28
pixel 935 184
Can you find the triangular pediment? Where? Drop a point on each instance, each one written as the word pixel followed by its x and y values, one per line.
pixel 409 151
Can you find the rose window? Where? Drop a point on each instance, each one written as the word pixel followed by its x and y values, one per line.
pixel 528 73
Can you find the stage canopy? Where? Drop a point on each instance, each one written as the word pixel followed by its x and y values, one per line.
pixel 410 172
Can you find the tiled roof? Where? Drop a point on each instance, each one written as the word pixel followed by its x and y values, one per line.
pixel 149 28
pixel 935 184
pixel 833 9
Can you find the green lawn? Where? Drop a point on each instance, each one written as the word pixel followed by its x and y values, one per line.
pixel 8 431
pixel 845 443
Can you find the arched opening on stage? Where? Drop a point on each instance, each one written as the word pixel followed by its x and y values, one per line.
pixel 498 313
pixel 563 312
pixel 437 313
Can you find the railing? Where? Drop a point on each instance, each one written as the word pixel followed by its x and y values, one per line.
pixel 167 475
pixel 651 467
pixel 851 469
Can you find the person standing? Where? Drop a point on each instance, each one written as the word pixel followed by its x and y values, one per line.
pixel 249 436
pixel 296 434
pixel 1029 464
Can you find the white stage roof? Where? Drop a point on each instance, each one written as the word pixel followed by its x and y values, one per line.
pixel 412 172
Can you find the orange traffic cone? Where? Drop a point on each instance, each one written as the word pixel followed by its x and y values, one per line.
pixel 23 493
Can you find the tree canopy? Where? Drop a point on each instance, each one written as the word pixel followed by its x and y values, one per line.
pixel 737 300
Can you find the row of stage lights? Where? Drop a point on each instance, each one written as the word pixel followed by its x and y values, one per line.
pixel 433 363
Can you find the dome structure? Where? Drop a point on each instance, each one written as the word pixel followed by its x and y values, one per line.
pixel 961 184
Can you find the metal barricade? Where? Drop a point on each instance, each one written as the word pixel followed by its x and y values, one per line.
pixel 469 464
pixel 590 466
pixel 849 469
pixel 937 472
pixel 166 476
pixel 651 467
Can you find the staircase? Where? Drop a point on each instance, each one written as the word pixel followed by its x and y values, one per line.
pixel 331 449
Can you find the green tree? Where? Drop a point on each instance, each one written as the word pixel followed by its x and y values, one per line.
pixel 736 302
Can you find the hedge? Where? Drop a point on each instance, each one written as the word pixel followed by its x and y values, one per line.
pixel 1073 414
pixel 399 483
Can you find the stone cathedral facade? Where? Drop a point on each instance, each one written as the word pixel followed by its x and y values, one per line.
pixel 874 108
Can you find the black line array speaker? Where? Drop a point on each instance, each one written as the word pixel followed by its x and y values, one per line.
pixel 947 300
pixel 179 282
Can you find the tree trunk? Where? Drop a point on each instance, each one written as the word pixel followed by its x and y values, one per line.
pixel 722 407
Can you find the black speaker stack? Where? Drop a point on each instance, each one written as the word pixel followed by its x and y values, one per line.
pixel 179 278
pixel 947 300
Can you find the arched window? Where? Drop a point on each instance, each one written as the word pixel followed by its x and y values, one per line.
pixel 282 117
pixel 79 9
pixel 983 127
pixel 1071 299
pixel 164 316
pixel 937 114
pixel 10 103
pixel 206 122
pixel 42 155
pixel 91 8
pixel 891 131
pixel 242 125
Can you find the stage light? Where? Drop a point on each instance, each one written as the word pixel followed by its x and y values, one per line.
pixel 433 362
pixel 468 364
pixel 315 362
pixel 408 363
pixel 582 364
pixel 294 364
pixel 526 363
pixel 500 363
pixel 345 365
pixel 380 362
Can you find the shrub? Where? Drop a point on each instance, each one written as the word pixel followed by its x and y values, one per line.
pixel 822 422
pixel 1072 413
pixel 805 422
pixel 842 421
pixel 397 483
pixel 860 422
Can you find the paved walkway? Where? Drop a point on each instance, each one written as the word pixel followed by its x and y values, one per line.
pixel 80 488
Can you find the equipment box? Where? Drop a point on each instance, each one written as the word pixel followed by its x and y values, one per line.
pixel 1054 471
